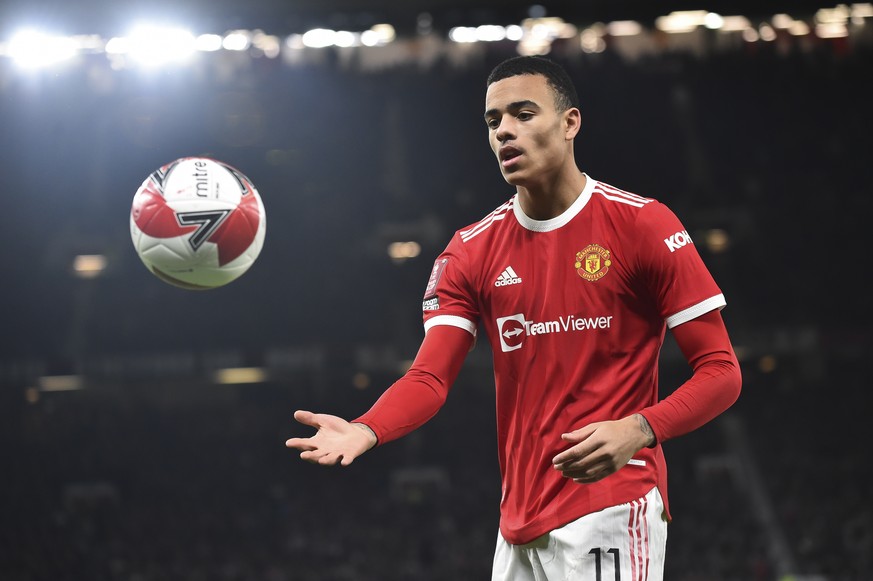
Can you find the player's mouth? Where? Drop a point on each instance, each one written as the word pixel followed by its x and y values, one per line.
pixel 508 156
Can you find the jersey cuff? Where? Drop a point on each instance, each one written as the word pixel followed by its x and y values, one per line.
pixel 710 304
pixel 452 321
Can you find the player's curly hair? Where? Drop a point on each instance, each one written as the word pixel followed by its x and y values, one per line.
pixel 556 76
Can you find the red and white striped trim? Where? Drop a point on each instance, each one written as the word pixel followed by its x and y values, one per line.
pixel 498 214
pixel 451 321
pixel 616 195
pixel 638 533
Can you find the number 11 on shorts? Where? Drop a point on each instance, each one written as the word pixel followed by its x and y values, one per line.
pixel 598 567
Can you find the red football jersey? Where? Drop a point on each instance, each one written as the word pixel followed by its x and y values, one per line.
pixel 575 309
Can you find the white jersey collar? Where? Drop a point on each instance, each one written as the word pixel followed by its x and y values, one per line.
pixel 557 221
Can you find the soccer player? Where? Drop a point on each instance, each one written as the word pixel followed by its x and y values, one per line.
pixel 574 282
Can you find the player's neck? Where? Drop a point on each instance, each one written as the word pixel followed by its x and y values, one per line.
pixel 552 199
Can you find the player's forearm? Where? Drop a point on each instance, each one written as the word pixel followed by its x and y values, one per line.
pixel 405 406
pixel 713 388
pixel 420 393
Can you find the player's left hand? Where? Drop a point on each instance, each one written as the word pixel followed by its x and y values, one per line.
pixel 601 449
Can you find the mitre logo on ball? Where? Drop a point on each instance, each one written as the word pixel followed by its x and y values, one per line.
pixel 197 223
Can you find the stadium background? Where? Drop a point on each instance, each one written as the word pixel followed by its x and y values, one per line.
pixel 142 426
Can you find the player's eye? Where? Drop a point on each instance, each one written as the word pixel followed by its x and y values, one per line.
pixel 492 123
pixel 525 116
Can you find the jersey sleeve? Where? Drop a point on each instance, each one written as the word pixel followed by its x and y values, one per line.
pixel 417 396
pixel 675 273
pixel 449 298
pixel 713 387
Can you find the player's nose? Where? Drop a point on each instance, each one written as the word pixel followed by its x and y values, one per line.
pixel 505 131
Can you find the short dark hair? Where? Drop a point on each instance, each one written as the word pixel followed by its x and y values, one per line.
pixel 555 74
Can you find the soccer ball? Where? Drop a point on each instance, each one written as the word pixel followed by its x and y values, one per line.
pixel 197 223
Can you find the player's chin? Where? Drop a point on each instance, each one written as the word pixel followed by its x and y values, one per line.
pixel 515 177
pixel 512 179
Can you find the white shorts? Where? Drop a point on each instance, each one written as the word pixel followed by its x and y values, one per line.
pixel 621 543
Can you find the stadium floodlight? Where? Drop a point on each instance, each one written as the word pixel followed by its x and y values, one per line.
pixel 156 45
pixel 319 38
pixel 401 251
pixel 682 21
pixel 514 32
pixel 237 40
pixel 208 42
pixel 378 35
pixel 624 28
pixel 89 265
pixel 345 39
pixel 268 44
pixel 462 34
pixel 713 21
pixel 32 49
pixel 736 24
pixel 237 375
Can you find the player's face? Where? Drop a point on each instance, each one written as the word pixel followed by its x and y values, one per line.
pixel 531 139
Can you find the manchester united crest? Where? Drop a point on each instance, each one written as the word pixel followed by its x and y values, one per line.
pixel 593 262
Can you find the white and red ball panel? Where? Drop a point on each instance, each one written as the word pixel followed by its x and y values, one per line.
pixel 197 223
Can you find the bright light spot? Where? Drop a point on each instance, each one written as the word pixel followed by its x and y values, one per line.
pixel 591 41
pixel 89 42
pixel 798 28
pixel 89 265
pixel 33 49
pixel 549 28
pixel 60 383
pixel 782 21
pixel 751 35
pixel 534 47
pixel 514 32
pixel 767 364
pixel 864 10
pixel 831 30
pixel 117 45
pixel 386 33
pixel 370 38
pixel 400 251
pixel 713 21
pixel 490 33
pixel 294 42
pixel 484 33
pixel 155 45
pixel 361 380
pixel 234 375
pixel 208 42
pixel 717 240
pixel 462 34
pixel 235 41
pixel 31 395
pixel 344 38
pixel 624 28
pixel 838 15
pixel 681 21
pixel 736 24
pixel 319 37
pixel 539 33
pixel 267 43
pixel 378 35
pixel 767 33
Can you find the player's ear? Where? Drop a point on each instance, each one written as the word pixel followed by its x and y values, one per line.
pixel 572 122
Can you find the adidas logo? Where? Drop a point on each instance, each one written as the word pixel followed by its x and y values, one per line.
pixel 507 277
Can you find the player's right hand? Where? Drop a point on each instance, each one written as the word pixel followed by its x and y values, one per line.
pixel 336 441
